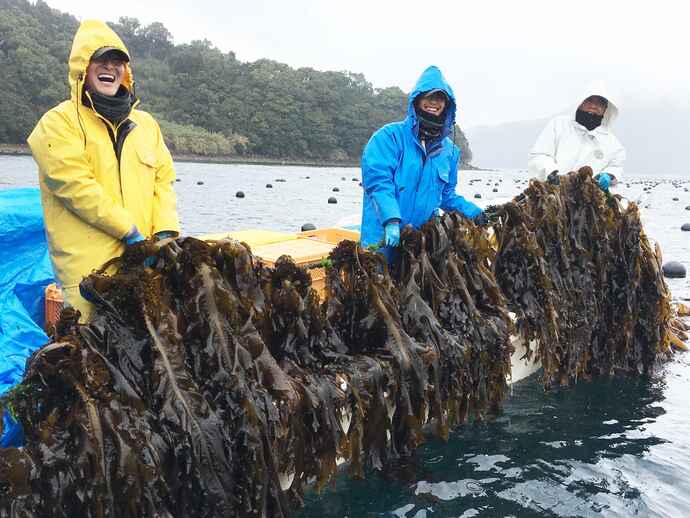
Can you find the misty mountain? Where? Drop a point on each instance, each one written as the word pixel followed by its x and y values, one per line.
pixel 655 134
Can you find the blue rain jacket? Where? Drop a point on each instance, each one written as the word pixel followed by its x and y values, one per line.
pixel 403 180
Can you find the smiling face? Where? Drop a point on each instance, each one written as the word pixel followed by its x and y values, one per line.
pixel 105 74
pixel 433 103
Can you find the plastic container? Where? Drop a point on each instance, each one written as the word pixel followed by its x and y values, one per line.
pixel 330 235
pixel 303 251
pixel 253 238
pixel 308 250
pixel 53 304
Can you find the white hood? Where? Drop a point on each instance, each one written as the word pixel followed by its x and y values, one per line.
pixel 601 89
pixel 564 145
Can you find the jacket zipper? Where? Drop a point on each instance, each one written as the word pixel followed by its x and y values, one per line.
pixel 419 179
pixel 425 155
pixel 113 133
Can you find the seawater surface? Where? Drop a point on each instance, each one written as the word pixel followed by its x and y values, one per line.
pixel 617 447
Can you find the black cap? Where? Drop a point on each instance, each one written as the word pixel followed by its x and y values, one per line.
pixel 436 90
pixel 112 51
pixel 598 99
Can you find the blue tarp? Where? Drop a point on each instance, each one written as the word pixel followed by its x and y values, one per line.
pixel 25 271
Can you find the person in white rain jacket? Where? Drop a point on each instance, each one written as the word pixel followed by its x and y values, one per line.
pixel 569 142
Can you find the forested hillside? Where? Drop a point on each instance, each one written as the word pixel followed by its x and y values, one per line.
pixel 208 102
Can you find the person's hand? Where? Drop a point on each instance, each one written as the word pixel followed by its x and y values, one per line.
pixel 481 220
pixel 493 213
pixel 164 234
pixel 553 178
pixel 392 233
pixel 604 181
pixel 133 236
pixel 87 294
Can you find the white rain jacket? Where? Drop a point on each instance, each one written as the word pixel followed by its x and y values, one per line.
pixel 565 145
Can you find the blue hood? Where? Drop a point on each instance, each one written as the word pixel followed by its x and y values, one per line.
pixel 406 181
pixel 432 79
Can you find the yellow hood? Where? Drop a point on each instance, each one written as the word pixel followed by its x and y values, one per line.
pixel 91 36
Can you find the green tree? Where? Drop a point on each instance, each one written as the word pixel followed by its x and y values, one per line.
pixel 212 104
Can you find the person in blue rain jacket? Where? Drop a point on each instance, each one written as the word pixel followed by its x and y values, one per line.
pixel 410 168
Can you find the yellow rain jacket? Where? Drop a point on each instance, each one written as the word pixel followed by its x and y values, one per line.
pixel 91 199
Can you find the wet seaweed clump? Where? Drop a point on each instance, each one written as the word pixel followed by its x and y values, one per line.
pixel 583 280
pixel 211 385
pixel 451 301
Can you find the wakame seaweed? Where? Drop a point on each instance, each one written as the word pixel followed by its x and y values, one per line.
pixel 583 280
pixel 213 386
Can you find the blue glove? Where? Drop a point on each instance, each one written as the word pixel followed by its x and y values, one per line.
pixel 134 236
pixel 465 207
pixel 481 220
pixel 604 181
pixel 553 178
pixel 87 295
pixel 392 233
pixel 164 234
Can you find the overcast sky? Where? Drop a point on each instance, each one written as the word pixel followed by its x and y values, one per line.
pixel 506 60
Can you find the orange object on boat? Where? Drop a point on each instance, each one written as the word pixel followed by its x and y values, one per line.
pixel 53 304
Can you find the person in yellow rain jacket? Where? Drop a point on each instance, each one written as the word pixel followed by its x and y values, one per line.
pixel 106 176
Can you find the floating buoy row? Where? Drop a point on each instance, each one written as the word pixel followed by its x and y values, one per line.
pixel 649 185
pixel 331 200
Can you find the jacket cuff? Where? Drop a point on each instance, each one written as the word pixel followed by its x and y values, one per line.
pixel 389 210
pixel 469 209
pixel 120 225
pixel 170 224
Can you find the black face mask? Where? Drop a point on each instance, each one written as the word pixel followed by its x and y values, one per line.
pixel 430 126
pixel 115 108
pixel 588 120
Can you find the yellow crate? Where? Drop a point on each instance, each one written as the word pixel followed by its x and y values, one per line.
pixel 318 280
pixel 302 251
pixel 309 249
pixel 331 235
pixel 253 238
